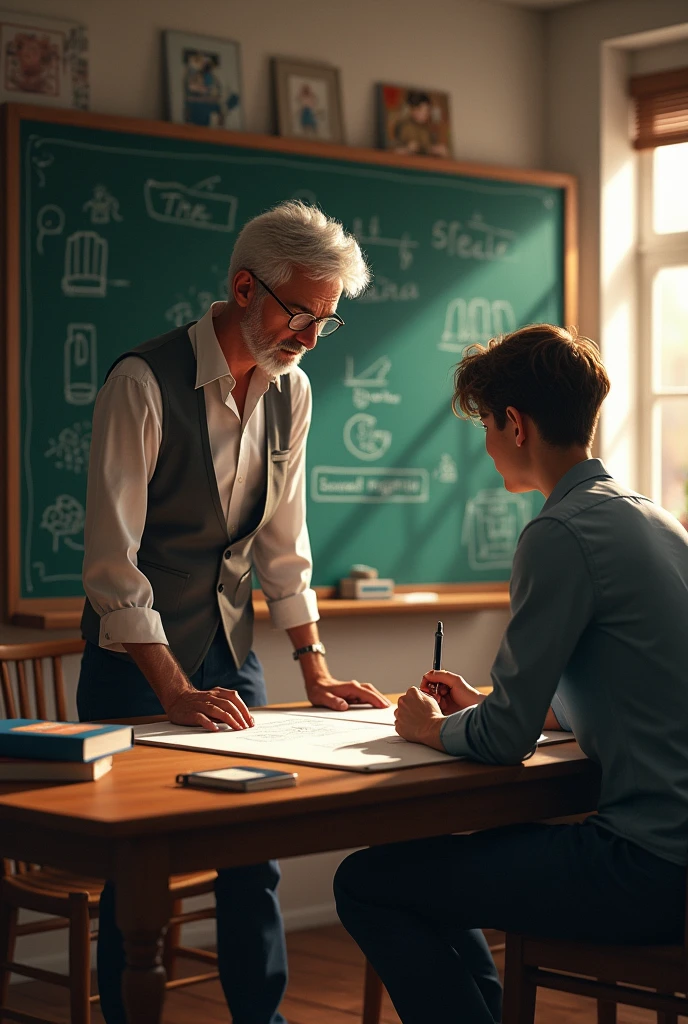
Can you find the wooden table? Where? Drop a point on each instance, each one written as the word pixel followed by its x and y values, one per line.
pixel 137 827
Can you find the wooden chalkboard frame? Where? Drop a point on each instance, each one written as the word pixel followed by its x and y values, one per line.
pixel 64 613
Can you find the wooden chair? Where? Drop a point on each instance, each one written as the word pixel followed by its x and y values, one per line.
pixel 72 901
pixel 373 989
pixel 646 976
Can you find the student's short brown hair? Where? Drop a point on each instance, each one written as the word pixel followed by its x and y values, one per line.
pixel 546 372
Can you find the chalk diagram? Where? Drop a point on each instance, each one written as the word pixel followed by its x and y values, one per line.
pixel 50 221
pixel 364 439
pixel 64 519
pixel 446 471
pixel 85 265
pixel 467 322
pixel 374 376
pixel 71 448
pixel 102 206
pixel 492 523
pixel 80 364
pixel 194 206
pixel 404 245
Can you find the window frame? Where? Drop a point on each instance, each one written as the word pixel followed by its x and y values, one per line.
pixel 655 252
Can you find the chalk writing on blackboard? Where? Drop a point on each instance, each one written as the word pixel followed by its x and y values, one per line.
pixel 446 471
pixel 473 239
pixel 50 220
pixel 473 321
pixel 64 519
pixel 85 265
pixel 71 448
pixel 102 206
pixel 192 207
pixel 364 439
pixel 363 486
pixel 491 527
pixel 405 244
pixel 80 364
pixel 384 290
pixel 374 376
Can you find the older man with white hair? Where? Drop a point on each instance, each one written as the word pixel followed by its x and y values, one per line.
pixel 197 477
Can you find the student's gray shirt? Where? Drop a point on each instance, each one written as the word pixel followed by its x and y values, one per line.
pixel 599 630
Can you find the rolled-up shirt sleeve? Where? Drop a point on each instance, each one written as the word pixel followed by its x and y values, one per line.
pixel 125 441
pixel 552 601
pixel 282 550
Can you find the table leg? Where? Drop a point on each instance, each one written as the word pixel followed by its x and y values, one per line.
pixel 143 911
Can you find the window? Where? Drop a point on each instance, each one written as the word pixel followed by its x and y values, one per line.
pixel 663 373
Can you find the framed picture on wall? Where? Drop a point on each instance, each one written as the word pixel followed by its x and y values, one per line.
pixel 308 101
pixel 43 60
pixel 203 81
pixel 413 120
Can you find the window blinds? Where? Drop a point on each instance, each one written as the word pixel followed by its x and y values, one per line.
pixel 661 108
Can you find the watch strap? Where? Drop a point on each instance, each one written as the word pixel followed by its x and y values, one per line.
pixel 310 649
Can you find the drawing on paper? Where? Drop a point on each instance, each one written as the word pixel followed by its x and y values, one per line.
pixel 71 448
pixel 64 519
pixel 80 364
pixel 367 485
pixel 195 206
pixel 492 524
pixel 475 321
pixel 102 206
pixel 85 265
pixel 50 220
pixel 446 471
pixel 404 245
pixel 364 439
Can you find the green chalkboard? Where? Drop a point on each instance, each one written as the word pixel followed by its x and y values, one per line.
pixel 124 234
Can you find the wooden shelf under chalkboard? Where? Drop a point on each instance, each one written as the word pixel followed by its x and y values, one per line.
pixel 65 613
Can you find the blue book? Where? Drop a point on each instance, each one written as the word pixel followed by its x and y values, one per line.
pixel 62 741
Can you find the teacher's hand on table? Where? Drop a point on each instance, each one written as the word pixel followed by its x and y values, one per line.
pixel 332 693
pixel 419 719
pixel 210 709
pixel 451 692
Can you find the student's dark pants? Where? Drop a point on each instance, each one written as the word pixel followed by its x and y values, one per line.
pixel 252 957
pixel 415 908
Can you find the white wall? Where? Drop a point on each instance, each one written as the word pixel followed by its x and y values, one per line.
pixel 575 37
pixel 590 55
pixel 489 58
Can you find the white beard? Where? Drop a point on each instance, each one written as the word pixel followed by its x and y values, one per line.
pixel 263 349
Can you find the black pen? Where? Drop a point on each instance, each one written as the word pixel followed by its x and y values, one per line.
pixel 437 657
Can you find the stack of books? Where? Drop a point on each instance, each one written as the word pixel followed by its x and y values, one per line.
pixel 37 751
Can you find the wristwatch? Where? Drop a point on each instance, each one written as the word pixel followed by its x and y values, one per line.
pixel 311 649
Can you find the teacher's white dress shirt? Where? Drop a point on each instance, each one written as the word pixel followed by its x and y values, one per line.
pixel 127 431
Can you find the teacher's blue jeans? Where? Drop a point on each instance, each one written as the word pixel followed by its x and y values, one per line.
pixel 252 957
pixel 416 908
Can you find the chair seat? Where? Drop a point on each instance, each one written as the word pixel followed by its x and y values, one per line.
pixel 663 967
pixel 57 885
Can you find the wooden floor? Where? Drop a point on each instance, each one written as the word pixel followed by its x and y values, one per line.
pixel 325 987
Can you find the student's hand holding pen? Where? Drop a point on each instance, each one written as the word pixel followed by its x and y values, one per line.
pixel 451 692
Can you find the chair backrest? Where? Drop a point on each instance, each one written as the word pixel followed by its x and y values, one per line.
pixel 22 682
pixel 23 693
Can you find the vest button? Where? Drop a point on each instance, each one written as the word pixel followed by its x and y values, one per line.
pixel 220 588
pixel 228 554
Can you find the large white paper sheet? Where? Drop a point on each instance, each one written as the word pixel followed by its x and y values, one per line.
pixel 340 741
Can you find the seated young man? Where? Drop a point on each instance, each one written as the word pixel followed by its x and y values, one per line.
pixel 598 637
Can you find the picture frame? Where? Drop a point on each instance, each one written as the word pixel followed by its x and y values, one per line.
pixel 43 60
pixel 307 100
pixel 203 80
pixel 413 121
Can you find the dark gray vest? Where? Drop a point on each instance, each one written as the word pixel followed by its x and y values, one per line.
pixel 198 575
